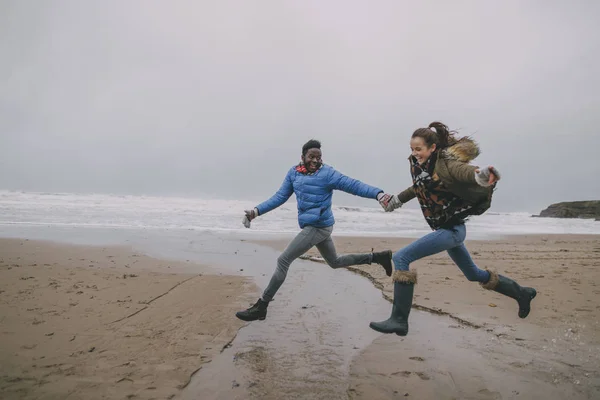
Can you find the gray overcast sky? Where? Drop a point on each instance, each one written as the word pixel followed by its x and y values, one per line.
pixel 216 98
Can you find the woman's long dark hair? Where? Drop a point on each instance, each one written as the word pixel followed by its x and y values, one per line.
pixel 440 135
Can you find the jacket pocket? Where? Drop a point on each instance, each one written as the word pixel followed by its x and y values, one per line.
pixel 311 216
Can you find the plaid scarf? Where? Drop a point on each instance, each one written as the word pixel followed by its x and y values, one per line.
pixel 303 170
pixel 441 208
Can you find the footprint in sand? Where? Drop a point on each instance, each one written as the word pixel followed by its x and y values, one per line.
pixel 518 364
pixel 403 373
pixel 422 375
pixel 487 394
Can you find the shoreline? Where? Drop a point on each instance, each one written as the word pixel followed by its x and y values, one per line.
pixel 109 322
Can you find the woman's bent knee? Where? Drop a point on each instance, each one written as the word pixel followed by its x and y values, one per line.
pixel 401 261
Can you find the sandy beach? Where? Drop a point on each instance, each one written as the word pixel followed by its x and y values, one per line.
pixel 100 322
pixel 84 322
pixel 563 327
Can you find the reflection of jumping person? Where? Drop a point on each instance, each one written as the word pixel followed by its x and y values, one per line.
pixel 448 190
pixel 313 183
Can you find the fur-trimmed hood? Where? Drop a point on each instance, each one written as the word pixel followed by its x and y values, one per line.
pixel 465 150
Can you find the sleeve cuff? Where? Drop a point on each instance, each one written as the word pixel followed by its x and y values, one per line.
pixel 480 181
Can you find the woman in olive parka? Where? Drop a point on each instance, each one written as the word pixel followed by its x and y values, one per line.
pixel 449 190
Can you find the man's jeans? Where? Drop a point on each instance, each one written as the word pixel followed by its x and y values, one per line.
pixel 304 241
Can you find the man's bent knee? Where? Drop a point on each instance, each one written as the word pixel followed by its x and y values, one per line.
pixel 335 263
pixel 283 263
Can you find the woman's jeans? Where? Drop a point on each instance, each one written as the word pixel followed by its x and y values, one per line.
pixel 450 240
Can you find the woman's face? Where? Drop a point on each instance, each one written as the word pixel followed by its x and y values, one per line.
pixel 420 151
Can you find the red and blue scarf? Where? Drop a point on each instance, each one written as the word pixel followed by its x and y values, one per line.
pixel 303 170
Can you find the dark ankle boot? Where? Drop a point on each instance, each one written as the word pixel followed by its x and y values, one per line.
pixel 404 284
pixel 508 287
pixel 257 311
pixel 384 258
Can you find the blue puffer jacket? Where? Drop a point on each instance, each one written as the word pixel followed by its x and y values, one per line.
pixel 313 194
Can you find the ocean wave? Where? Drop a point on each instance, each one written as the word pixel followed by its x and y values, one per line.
pixel 145 212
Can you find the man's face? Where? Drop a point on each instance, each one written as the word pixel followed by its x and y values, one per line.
pixel 312 159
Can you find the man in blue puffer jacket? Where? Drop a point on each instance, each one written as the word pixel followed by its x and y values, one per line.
pixel 313 183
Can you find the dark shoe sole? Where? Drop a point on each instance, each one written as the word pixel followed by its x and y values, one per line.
pixel 250 319
pixel 388 271
pixel 528 310
pixel 376 328
pixel 388 268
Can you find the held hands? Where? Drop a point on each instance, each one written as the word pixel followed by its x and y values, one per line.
pixel 383 199
pixel 487 176
pixel 249 215
pixel 393 204
pixel 388 202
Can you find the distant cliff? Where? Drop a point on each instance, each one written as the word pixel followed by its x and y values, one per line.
pixel 573 209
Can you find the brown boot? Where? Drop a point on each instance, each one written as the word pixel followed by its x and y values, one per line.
pixel 384 258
